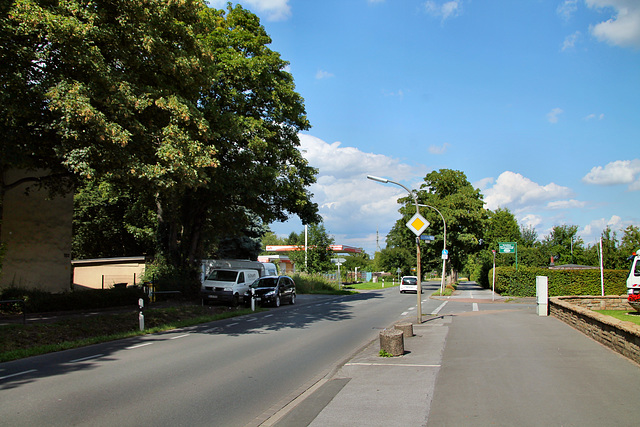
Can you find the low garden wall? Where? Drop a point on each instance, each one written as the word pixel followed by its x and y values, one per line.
pixel 621 336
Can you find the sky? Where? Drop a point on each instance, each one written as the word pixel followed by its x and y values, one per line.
pixel 536 101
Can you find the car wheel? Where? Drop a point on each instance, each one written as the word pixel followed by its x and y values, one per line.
pixel 277 301
pixel 293 299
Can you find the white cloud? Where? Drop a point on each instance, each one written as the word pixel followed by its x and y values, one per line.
pixel 517 192
pixel 434 149
pixel 623 28
pixel 321 74
pixel 593 230
pixel 531 220
pixel 567 8
pixel 571 40
pixel 446 10
pixel 483 183
pixel 552 116
pixel 566 204
pixel 594 117
pixel 275 10
pixel 616 173
pixel 349 203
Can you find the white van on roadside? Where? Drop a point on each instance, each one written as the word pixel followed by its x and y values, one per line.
pixel 633 279
pixel 226 281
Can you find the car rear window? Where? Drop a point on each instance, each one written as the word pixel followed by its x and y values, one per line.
pixel 409 281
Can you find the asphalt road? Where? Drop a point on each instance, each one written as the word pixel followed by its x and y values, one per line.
pixel 228 373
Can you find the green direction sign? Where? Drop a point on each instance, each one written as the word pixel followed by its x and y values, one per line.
pixel 507 247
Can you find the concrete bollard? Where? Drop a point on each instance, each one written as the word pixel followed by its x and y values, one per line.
pixel 406 328
pixel 392 341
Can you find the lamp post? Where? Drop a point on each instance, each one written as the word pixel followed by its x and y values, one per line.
pixel 444 247
pixel 415 200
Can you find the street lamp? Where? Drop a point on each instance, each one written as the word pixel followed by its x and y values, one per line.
pixel 444 247
pixel 415 200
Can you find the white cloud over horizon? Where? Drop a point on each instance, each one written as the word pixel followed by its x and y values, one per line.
pixel 517 192
pixel 354 208
pixel 620 172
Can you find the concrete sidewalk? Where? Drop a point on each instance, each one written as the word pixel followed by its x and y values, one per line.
pixel 502 365
pixel 372 390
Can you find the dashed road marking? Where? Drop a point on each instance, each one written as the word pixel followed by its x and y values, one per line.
pixel 133 347
pixel 475 306
pixel 18 374
pixel 95 356
pixel 180 336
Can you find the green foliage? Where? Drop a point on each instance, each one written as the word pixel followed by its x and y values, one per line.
pixel 384 353
pixel 462 207
pixel 316 284
pixel 168 277
pixel 522 282
pixel 111 221
pixel 182 105
pixel 318 253
pixel 38 301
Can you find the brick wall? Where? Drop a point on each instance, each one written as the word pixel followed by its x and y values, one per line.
pixel 621 336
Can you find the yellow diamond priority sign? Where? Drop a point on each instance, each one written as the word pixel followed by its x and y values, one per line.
pixel 417 224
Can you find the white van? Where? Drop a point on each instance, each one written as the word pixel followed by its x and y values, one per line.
pixel 228 286
pixel 633 280
pixel 227 280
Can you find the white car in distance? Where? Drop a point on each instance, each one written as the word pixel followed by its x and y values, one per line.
pixel 409 284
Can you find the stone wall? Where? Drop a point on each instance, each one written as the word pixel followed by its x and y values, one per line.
pixel 621 336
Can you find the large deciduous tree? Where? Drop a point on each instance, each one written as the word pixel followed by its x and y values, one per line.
pixel 462 207
pixel 170 99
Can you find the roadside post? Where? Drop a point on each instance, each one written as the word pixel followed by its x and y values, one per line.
pixel 493 288
pixel 542 295
pixel 141 313
pixel 253 300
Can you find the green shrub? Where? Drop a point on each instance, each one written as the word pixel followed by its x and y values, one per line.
pixel 314 284
pixel 522 282
pixel 38 301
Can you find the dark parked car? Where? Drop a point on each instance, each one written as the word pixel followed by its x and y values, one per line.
pixel 272 290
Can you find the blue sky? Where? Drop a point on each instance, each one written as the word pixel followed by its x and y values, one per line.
pixel 536 101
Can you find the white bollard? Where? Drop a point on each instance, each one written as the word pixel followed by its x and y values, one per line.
pixel 542 295
pixel 253 300
pixel 141 314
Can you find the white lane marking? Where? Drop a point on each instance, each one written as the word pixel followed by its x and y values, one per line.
pixel 180 336
pixel 411 308
pixel 269 315
pixel 248 319
pixel 475 306
pixel 437 310
pixel 18 374
pixel 404 313
pixel 95 356
pixel 236 323
pixel 392 364
pixel 133 347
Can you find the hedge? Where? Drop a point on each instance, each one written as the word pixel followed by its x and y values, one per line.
pixel 522 282
pixel 38 301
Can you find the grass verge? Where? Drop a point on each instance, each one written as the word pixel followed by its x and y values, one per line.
pixel 18 341
pixel 625 315
pixel 368 286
